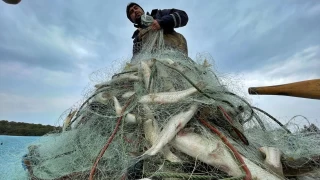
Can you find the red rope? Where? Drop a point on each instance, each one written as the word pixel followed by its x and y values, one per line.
pixel 232 148
pixel 241 136
pixel 123 177
pixel 105 147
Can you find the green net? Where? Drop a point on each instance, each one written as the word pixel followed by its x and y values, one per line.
pixel 146 120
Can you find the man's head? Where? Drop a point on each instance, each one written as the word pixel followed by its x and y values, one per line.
pixel 134 12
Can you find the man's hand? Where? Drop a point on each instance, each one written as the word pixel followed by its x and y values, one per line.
pixel 155 25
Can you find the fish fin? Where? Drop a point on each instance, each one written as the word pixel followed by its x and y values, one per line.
pixel 185 131
pixel 117 106
pixel 170 156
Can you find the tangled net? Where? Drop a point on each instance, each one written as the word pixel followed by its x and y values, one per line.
pixel 113 133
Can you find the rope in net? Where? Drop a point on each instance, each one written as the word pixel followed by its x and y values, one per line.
pixel 166 116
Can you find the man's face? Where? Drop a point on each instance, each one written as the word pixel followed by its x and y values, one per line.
pixel 135 12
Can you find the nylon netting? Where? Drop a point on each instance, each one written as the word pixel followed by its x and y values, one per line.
pixel 164 97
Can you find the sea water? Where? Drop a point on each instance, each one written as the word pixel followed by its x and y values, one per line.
pixel 12 148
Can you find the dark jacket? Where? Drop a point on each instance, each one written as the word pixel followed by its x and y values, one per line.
pixel 168 19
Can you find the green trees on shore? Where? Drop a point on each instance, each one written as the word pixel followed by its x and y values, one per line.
pixel 25 129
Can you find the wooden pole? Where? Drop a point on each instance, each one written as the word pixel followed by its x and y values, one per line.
pixel 305 89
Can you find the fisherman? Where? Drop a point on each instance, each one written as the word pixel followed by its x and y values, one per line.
pixel 166 19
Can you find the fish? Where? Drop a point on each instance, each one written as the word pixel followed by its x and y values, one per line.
pixel 122 77
pixel 68 120
pixel 168 97
pixel 151 130
pixel 173 126
pixel 172 64
pixel 213 152
pixel 273 159
pixel 128 94
pixel 117 106
pixel 146 71
pixel 136 67
pixel 258 173
pixel 102 97
pixel 167 60
pixel 129 118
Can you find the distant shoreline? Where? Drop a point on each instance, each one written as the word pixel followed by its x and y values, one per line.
pixel 25 129
pixel 17 135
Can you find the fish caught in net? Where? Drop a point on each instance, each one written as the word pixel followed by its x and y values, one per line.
pixel 167 116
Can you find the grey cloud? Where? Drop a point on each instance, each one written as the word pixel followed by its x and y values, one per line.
pixel 245 35
pixel 297 34
pixel 94 23
pixel 240 35
pixel 38 56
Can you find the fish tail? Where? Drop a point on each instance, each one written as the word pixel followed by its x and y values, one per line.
pixel 142 157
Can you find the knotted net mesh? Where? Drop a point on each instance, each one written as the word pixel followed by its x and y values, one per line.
pixel 152 120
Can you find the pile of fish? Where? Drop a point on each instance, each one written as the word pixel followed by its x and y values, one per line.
pixel 176 110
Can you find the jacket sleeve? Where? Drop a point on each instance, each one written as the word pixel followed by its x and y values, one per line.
pixel 172 18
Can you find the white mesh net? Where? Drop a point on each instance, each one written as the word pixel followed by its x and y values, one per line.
pixel 155 119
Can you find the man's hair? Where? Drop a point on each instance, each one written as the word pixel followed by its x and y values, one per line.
pixel 128 8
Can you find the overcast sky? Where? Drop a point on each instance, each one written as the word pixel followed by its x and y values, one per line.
pixel 48 50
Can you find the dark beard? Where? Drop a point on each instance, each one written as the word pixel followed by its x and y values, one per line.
pixel 137 23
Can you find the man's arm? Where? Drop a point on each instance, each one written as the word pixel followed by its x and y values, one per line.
pixel 172 18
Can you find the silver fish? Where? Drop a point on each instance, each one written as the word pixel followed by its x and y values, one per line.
pixel 167 97
pixel 128 94
pixel 212 152
pixel 136 67
pixel 129 118
pixel 167 60
pixel 174 125
pixel 146 71
pixel 215 153
pixel 117 106
pixel 102 97
pixel 122 77
pixel 151 130
pixel 172 64
pixel 258 173
pixel 273 159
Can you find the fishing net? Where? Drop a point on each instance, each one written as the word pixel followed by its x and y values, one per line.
pixel 112 129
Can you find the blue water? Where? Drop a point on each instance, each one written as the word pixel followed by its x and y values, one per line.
pixel 11 151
